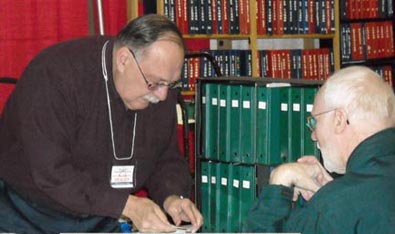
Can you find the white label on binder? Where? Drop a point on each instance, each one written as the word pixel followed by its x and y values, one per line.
pixel 284 107
pixel 224 181
pixel 214 101
pixel 204 100
pixel 246 184
pixel 309 107
pixel 236 183
pixel 235 103
pixel 222 103
pixel 296 107
pixel 262 105
pixel 246 104
pixel 213 180
pixel 204 179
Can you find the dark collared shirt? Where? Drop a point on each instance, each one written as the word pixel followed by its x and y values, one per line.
pixel 362 201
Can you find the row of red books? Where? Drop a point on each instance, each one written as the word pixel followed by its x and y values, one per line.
pixel 366 9
pixel 370 40
pixel 209 16
pixel 310 64
pixel 295 17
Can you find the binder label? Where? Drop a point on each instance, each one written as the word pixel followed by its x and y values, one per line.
pixel 224 181
pixel 284 107
pixel 262 105
pixel 204 179
pixel 213 180
pixel 246 184
pixel 309 107
pixel 222 103
pixel 204 100
pixel 214 101
pixel 246 104
pixel 296 107
pixel 235 103
pixel 236 183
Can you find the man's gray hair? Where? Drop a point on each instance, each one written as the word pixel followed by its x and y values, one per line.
pixel 362 93
pixel 145 30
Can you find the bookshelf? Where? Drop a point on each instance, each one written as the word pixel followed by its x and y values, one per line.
pixel 367 35
pixel 253 35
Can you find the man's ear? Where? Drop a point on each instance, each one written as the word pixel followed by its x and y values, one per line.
pixel 340 120
pixel 122 58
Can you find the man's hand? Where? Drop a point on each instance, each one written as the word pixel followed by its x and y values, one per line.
pixel 182 209
pixel 307 176
pixel 146 215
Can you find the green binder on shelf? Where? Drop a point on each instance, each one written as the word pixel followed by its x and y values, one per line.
pixel 247 191
pixel 233 124
pixel 213 197
pixel 273 138
pixel 211 122
pixel 262 126
pixel 222 116
pixel 233 198
pixel 247 124
pixel 309 147
pixel 203 119
pixel 295 123
pixel 222 197
pixel 205 194
pixel 284 127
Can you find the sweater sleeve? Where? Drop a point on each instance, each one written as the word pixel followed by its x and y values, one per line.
pixel 171 175
pixel 271 209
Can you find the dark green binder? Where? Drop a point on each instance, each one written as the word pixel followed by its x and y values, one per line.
pixel 222 197
pixel 247 191
pixel 262 126
pixel 295 123
pixel 233 198
pixel 222 116
pixel 284 140
pixel 273 138
pixel 211 122
pixel 309 147
pixel 247 124
pixel 205 195
pixel 233 124
pixel 213 197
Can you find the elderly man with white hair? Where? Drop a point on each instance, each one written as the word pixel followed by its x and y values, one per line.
pixel 352 122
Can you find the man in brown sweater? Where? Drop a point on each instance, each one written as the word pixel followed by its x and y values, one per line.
pixel 91 122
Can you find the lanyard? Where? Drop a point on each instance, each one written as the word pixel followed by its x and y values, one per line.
pixel 104 70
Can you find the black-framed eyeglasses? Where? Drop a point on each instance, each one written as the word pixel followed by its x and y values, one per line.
pixel 311 122
pixel 151 85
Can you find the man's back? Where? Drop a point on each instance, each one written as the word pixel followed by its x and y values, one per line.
pixel 362 201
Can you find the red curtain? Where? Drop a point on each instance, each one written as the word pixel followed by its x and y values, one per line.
pixel 28 26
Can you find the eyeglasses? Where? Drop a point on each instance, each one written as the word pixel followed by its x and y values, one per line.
pixel 151 85
pixel 311 122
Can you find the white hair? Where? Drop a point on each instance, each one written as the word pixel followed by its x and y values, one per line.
pixel 362 93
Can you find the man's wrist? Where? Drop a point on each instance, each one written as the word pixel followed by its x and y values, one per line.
pixel 282 175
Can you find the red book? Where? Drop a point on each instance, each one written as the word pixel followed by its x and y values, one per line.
pixel 275 16
pixel 261 17
pixel 311 15
pixel 179 16
pixel 280 17
pixel 214 15
pixel 225 16
pixel 356 41
pixel 305 66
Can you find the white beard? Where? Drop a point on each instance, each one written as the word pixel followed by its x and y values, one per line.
pixel 151 98
pixel 331 159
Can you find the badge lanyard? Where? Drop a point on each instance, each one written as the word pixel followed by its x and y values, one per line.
pixel 104 70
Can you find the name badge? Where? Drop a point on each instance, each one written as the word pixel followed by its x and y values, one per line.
pixel 122 176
